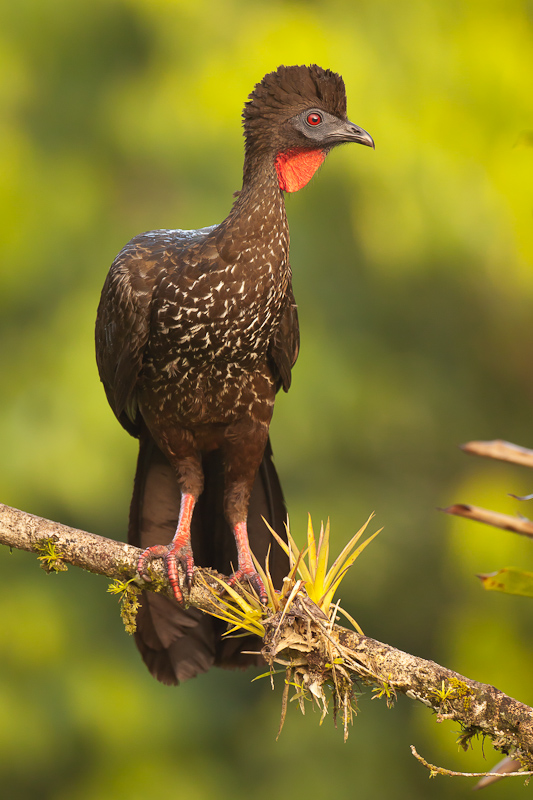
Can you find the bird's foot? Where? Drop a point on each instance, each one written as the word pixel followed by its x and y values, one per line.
pixel 172 554
pixel 253 578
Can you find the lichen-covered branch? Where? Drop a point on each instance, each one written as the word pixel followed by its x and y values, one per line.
pixel 315 651
pixel 57 545
pixel 334 654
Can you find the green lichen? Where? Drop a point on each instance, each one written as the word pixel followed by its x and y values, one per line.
pixel 156 582
pixel 50 560
pixel 463 692
pixel 129 602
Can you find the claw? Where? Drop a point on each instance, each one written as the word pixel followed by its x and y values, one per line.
pixel 254 579
pixel 172 556
pixel 147 556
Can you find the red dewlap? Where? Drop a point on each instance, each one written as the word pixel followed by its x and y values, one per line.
pixel 296 167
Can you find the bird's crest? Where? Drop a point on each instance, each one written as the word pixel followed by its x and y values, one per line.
pixel 289 90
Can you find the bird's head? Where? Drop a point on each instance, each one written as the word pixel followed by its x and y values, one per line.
pixel 296 115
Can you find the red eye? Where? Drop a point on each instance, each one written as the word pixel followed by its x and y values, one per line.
pixel 314 118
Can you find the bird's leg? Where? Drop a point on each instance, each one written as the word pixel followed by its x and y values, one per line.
pixel 246 570
pixel 243 455
pixel 178 551
pixel 180 448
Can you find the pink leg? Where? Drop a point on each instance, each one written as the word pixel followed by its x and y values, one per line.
pixel 247 570
pixel 179 550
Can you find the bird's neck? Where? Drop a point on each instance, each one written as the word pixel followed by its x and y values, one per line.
pixel 259 210
pixel 259 206
pixel 291 169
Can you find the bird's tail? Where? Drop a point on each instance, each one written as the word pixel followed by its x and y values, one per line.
pixel 177 644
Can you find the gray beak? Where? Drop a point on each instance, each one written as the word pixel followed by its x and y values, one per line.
pixel 353 133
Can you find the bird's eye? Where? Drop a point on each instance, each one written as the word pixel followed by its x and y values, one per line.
pixel 314 118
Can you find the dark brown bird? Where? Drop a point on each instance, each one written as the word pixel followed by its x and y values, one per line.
pixel 196 332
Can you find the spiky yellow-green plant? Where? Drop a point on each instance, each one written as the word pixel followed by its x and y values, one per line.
pixel 311 564
pixel 243 612
pixel 311 583
pixel 309 572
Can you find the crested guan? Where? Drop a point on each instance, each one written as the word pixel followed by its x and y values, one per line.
pixel 196 332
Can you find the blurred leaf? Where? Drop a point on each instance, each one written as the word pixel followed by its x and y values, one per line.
pixel 509 580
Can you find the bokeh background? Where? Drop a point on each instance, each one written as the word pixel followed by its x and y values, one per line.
pixel 413 270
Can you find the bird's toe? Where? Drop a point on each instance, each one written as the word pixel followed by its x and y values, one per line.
pixel 254 580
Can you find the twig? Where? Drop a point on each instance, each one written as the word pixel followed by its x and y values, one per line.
pixel 506 521
pixel 500 450
pixel 434 770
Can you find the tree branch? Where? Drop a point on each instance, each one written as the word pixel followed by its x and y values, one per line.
pixel 57 544
pixel 315 651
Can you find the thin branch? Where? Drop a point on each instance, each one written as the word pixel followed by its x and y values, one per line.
pixel 506 521
pixel 501 450
pixel 434 770
pixel 331 654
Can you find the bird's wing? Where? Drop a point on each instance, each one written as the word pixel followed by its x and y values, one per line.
pixel 285 343
pixel 123 319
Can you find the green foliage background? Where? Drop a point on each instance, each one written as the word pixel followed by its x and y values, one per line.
pixel 413 273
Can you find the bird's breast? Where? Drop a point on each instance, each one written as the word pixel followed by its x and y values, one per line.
pixel 218 316
pixel 206 358
pixel 217 394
